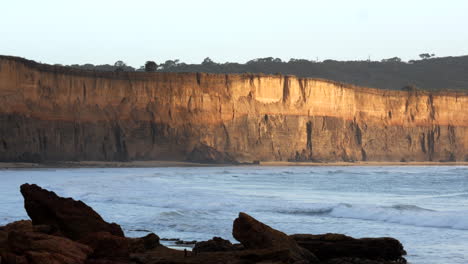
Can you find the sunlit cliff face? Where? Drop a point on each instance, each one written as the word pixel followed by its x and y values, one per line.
pixel 55 113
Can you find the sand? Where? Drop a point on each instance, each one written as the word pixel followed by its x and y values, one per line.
pixel 156 164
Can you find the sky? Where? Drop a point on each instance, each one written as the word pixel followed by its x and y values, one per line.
pixel 104 31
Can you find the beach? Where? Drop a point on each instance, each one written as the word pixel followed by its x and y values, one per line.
pixel 161 164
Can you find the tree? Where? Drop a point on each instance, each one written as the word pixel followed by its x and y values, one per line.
pixel 151 66
pixel 170 64
pixel 277 60
pixel 207 61
pixel 265 60
pixel 119 66
pixel 394 60
pixel 410 88
pixel 425 56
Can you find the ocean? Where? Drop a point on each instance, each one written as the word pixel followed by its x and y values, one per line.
pixel 426 208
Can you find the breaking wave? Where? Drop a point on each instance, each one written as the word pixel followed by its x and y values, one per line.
pixel 398 214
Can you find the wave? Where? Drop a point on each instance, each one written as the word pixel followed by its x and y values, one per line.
pixel 398 214
pixel 409 207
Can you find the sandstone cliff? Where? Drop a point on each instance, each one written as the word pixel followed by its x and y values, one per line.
pixel 50 113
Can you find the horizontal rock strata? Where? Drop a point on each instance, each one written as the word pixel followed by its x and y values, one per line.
pixel 50 113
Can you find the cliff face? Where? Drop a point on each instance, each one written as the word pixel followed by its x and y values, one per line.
pixel 55 113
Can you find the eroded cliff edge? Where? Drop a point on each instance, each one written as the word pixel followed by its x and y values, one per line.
pixel 50 113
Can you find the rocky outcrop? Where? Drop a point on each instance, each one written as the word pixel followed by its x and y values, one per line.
pixel 142 244
pixel 214 245
pixel 256 235
pixel 21 244
pixel 73 219
pixel 47 242
pixel 107 246
pixel 330 246
pixel 206 154
pixel 50 113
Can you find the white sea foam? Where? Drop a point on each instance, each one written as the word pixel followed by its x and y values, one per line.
pixel 399 214
pixel 413 215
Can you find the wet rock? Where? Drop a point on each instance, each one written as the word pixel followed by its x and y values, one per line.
pixel 73 219
pixel 332 246
pixel 214 245
pixel 206 154
pixel 256 235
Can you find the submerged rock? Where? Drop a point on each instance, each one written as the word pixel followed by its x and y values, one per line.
pixel 74 219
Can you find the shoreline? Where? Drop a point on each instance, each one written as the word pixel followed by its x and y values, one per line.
pixel 163 164
pixel 65 230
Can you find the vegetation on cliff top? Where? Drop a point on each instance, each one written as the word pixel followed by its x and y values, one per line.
pixel 429 73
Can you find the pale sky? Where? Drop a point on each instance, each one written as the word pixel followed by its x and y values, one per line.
pixel 104 31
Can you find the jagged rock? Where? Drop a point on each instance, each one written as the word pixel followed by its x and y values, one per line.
pixel 143 244
pixel 256 235
pixel 206 154
pixel 330 246
pixel 107 246
pixel 214 245
pixel 74 219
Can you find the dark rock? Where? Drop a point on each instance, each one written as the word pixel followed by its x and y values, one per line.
pixel 107 246
pixel 270 255
pixel 73 219
pixel 360 261
pixel 329 246
pixel 39 248
pixel 150 241
pixel 143 244
pixel 183 242
pixel 105 261
pixel 256 235
pixel 206 154
pixel 214 245
pixel 46 229
pixel 22 225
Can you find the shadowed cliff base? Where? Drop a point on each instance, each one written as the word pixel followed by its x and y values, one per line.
pixel 167 164
pixel 64 231
pixel 51 113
